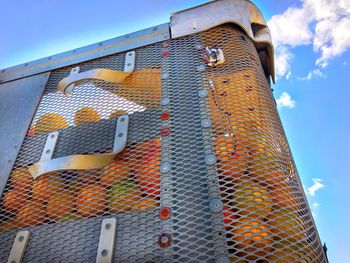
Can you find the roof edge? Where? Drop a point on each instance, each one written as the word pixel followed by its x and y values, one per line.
pixel 240 12
pixel 101 49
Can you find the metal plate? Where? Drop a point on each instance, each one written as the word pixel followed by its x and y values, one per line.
pixel 18 102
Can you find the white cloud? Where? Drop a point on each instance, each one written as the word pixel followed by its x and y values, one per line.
pixel 283 58
pixel 291 27
pixel 316 205
pixel 316 73
pixel 317 185
pixel 323 23
pixel 285 100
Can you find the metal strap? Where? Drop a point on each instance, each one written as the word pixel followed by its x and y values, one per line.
pixel 107 241
pixel 80 161
pixel 18 247
pixel 66 85
pixel 49 146
pixel 72 72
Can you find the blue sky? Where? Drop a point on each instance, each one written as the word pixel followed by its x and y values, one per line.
pixel 312 41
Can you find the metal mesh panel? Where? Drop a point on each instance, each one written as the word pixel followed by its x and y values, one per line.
pixel 63 210
pixel 266 217
pixel 204 143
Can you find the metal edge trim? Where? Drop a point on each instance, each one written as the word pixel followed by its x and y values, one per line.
pixel 101 49
pixel 242 13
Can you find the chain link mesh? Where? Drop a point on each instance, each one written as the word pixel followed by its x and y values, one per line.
pixel 264 214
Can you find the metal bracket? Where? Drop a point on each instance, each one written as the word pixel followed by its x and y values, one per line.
pixel 66 85
pixel 87 161
pixel 129 65
pixel 18 247
pixel 49 146
pixel 107 241
pixel 73 71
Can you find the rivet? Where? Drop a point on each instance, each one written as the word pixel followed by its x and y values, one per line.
pixel 129 54
pixel 216 205
pixel 21 238
pixel 165 167
pixel 200 68
pixel 165 75
pixel 165 131
pixel 52 136
pixel 104 252
pixel 210 159
pixel 13 261
pixel 48 151
pixel 165 101
pixel 165 54
pixel 122 119
pixel 164 239
pixel 108 226
pixel 165 116
pixel 129 64
pixel 165 44
pixel 121 134
pixel 203 93
pixel 165 213
pixel 206 123
pixel 198 46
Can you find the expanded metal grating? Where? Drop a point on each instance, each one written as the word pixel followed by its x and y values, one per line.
pixel 206 176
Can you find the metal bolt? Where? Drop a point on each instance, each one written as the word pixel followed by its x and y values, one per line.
pixel 48 151
pixel 203 93
pixel 165 101
pixel 165 75
pixel 164 239
pixel 206 123
pixel 108 226
pixel 210 159
pixel 165 131
pixel 129 64
pixel 165 167
pixel 21 238
pixel 121 134
pixel 104 252
pixel 200 68
pixel 165 44
pixel 216 205
pixel 198 46
pixel 122 119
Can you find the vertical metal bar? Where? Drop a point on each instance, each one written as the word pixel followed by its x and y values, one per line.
pixel 18 247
